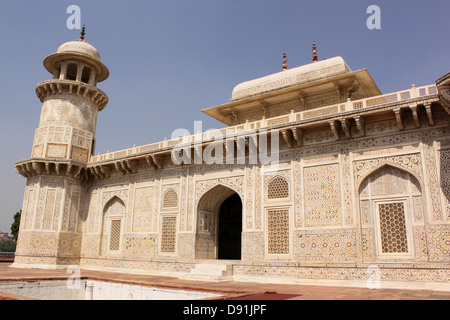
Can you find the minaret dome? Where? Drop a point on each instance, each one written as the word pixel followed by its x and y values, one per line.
pixel 80 51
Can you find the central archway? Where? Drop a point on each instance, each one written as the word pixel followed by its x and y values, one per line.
pixel 219 225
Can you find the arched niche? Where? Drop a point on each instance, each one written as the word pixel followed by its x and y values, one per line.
pixel 112 226
pixel 391 203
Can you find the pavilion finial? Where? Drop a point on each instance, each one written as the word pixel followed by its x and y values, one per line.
pixel 284 61
pixel 83 32
pixel 314 50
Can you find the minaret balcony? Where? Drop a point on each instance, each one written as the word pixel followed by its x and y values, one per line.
pixel 57 87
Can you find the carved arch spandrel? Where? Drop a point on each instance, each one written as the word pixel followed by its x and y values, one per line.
pixel 234 183
pixel 410 163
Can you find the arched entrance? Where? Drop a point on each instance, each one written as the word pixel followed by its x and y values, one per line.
pixel 219 225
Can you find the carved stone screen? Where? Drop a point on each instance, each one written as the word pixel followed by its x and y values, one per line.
pixel 170 199
pixel 393 227
pixel 278 231
pixel 114 241
pixel 277 188
pixel 168 236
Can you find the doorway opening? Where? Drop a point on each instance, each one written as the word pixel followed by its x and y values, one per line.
pixel 219 225
pixel 230 229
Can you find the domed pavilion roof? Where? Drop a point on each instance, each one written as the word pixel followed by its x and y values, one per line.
pixel 78 50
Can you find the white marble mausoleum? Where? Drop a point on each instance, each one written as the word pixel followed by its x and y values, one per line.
pixel 317 176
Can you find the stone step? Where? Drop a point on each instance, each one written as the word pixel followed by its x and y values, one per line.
pixel 214 269
pixel 210 272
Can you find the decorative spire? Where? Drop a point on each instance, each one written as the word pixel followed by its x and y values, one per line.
pixel 83 32
pixel 314 50
pixel 284 61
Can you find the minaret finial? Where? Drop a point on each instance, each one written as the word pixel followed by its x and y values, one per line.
pixel 83 32
pixel 284 61
pixel 314 50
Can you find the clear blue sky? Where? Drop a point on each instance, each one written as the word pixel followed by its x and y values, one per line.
pixel 169 59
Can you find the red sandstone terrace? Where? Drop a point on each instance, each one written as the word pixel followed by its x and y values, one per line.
pixel 228 290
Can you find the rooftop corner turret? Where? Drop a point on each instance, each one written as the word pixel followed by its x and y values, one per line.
pixel 76 70
pixel 65 139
